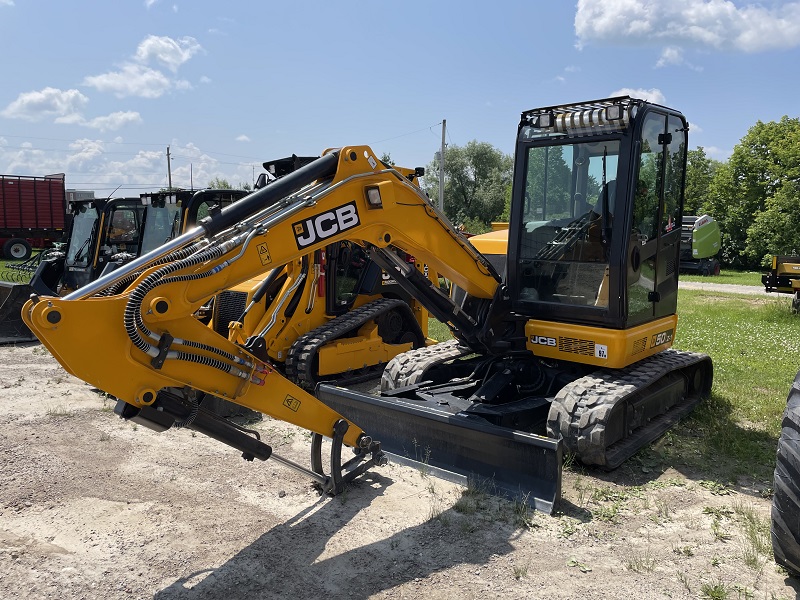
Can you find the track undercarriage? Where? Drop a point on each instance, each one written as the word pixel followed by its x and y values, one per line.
pixel 601 416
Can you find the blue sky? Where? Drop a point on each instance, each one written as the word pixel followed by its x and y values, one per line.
pixel 99 89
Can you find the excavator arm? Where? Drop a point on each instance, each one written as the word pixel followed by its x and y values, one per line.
pixel 145 346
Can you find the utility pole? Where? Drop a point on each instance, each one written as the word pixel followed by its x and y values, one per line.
pixel 441 168
pixel 169 170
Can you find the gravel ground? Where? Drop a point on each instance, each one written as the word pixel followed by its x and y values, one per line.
pixel 95 507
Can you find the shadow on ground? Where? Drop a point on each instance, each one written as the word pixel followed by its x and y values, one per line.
pixel 299 558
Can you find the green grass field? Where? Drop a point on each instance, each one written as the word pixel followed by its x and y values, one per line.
pixel 729 277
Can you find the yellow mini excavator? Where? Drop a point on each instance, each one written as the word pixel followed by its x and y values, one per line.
pixel 564 343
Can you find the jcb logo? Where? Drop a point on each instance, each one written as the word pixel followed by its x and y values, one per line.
pixel 325 225
pixel 665 337
pixel 543 340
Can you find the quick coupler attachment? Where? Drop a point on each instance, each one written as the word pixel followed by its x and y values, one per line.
pixel 366 455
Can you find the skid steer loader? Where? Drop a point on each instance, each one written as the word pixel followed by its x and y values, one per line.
pixel 102 233
pixel 569 345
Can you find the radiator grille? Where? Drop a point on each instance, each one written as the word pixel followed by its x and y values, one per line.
pixel 640 345
pixel 576 346
pixel 228 306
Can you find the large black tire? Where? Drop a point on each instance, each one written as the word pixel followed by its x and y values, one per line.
pixel 17 249
pixel 786 496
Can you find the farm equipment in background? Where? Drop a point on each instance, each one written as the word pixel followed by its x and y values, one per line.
pixel 102 232
pixel 570 347
pixel 700 244
pixel 33 213
pixel 784 278
pixel 103 235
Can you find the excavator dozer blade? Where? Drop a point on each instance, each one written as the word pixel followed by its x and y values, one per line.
pixel 12 297
pixel 511 463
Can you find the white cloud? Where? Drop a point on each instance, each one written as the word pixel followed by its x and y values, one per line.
pixel 674 56
pixel 49 102
pixel 169 52
pixel 149 3
pixel 6 2
pixel 652 95
pixel 114 121
pixel 718 24
pixel 138 79
pixel 205 79
pixel 131 80
pixel 671 55
pixel 242 138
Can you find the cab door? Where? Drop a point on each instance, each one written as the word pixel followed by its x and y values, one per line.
pixel 656 218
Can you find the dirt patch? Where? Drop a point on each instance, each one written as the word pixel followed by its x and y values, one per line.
pixel 94 507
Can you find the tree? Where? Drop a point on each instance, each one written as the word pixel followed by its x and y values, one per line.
pixel 218 183
pixel 752 182
pixel 776 230
pixel 476 178
pixel 699 173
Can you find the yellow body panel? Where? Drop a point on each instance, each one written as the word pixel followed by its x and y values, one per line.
pixel 493 242
pixel 367 349
pixel 612 348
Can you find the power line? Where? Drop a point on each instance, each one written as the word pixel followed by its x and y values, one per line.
pixel 409 133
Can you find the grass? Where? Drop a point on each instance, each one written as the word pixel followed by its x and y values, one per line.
pixel 729 277
pixel 754 343
pixel 438 331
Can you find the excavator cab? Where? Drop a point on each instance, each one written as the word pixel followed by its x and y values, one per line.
pixel 596 213
pixel 595 228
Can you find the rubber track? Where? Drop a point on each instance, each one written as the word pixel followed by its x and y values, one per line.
pixel 410 367
pixel 785 515
pixel 300 358
pixel 581 410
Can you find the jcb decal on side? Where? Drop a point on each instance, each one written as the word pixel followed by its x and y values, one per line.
pixel 325 225
pixel 665 337
pixel 292 403
pixel 543 340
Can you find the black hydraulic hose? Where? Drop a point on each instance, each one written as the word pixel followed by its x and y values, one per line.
pixel 269 195
pixel 133 317
pixel 120 285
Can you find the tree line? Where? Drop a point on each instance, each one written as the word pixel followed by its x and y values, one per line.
pixel 754 195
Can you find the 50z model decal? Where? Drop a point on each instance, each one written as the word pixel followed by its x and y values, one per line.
pixel 325 225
